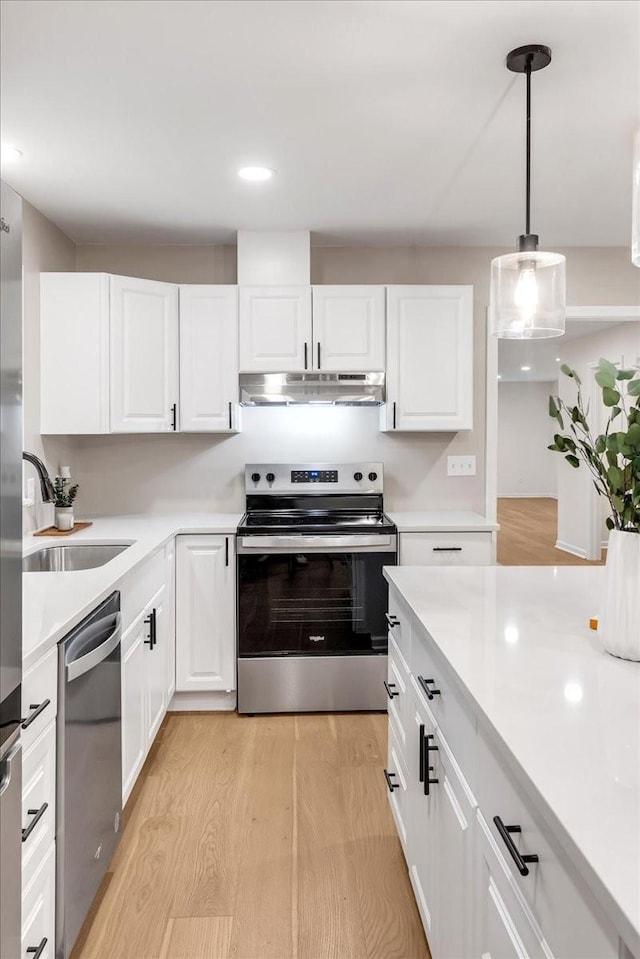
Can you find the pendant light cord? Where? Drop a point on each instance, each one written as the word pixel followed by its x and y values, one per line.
pixel 528 203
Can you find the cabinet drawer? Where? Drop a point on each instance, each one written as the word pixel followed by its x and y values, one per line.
pixel 397 786
pixel 398 704
pixel 38 909
pixel 572 921
pixel 449 709
pixel 38 801
pixel 445 549
pixel 140 586
pixel 399 624
pixel 39 684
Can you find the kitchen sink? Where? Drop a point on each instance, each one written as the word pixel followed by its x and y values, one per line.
pixel 63 559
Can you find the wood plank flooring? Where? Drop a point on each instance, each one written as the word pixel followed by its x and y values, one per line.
pixel 528 533
pixel 265 837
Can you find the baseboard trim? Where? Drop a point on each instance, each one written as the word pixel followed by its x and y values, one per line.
pixel 202 702
pixel 568 548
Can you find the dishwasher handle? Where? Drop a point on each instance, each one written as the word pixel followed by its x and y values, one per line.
pixel 78 667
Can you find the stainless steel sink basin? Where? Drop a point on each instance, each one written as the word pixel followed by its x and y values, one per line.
pixel 63 559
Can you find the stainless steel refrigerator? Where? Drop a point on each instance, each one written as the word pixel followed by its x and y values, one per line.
pixel 10 571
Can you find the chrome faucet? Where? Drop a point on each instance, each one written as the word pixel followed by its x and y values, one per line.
pixel 46 486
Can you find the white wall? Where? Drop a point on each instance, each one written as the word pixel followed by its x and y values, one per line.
pixel 525 466
pixel 44 247
pixel 575 488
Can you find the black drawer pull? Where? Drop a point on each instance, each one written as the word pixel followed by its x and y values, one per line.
pixel 391 689
pixel 520 860
pixel 152 622
pixel 428 747
pixel 421 754
pixel 37 816
pixel 430 693
pixel 37 951
pixel 306 357
pixel 38 708
pixel 174 417
pixel 389 776
pixel 447 549
pixel 392 620
pixel 230 415
pixel 394 415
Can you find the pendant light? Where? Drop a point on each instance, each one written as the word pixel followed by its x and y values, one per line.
pixel 528 289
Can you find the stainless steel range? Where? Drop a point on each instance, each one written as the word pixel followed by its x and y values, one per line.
pixel 312 632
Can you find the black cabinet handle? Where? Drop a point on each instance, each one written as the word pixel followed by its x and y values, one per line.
pixel 37 951
pixel 392 620
pixel 389 776
pixel 394 414
pixel 151 621
pixel 174 412
pixel 37 816
pixel 38 708
pixel 226 551
pixel 230 420
pixel 306 356
pixel 421 754
pixel 428 747
pixel 391 689
pixel 318 354
pixel 447 549
pixel 520 860
pixel 430 693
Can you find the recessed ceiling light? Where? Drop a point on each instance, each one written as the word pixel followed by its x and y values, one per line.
pixel 499 376
pixel 255 173
pixel 525 369
pixel 557 359
pixel 10 154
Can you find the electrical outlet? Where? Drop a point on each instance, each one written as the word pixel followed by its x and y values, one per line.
pixel 29 497
pixel 461 466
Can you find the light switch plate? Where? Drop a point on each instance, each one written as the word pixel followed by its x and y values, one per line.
pixel 461 466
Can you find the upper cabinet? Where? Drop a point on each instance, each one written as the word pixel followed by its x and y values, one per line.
pixel 144 355
pixel 429 358
pixel 208 358
pixel 275 329
pixel 349 328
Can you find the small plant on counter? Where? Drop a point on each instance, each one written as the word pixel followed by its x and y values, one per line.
pixel 613 457
pixel 65 493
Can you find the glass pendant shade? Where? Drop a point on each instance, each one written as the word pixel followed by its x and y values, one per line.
pixel 635 209
pixel 528 295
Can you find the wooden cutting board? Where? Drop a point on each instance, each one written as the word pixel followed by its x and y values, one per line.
pixel 52 531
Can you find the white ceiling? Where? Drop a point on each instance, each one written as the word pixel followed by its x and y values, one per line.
pixel 386 120
pixel 544 357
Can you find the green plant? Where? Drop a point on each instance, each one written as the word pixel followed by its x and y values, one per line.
pixel 64 492
pixel 613 457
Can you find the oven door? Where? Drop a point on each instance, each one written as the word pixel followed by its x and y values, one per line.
pixel 301 595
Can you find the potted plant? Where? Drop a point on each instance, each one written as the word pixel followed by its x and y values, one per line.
pixel 65 493
pixel 613 458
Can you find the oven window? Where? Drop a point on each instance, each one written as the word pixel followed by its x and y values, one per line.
pixel 305 603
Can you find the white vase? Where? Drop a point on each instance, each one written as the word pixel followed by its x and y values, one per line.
pixel 63 519
pixel 619 623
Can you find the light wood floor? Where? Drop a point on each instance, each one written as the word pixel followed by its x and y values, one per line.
pixel 528 532
pixel 265 837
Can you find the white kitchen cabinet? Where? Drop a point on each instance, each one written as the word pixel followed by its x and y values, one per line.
pixel 38 910
pixel 205 613
pixel 445 549
pixel 275 329
pixel 348 328
pixel 144 355
pixel 208 358
pixel 134 699
pixel 429 359
pixel 156 665
pixel 169 622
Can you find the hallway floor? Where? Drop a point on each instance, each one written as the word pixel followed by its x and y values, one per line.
pixel 264 837
pixel 528 533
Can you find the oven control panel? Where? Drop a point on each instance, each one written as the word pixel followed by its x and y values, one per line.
pixel 314 476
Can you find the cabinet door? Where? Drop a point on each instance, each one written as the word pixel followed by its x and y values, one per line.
pixel 275 328
pixel 134 718
pixel 429 358
pixel 349 328
pixel 208 358
pixel 155 644
pixel 144 355
pixel 169 622
pixel 205 613
pixel 421 840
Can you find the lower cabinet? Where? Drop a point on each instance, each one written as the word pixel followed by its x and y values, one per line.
pixel 446 549
pixel 205 613
pixel 39 910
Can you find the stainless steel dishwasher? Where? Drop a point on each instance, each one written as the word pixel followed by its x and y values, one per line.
pixel 89 774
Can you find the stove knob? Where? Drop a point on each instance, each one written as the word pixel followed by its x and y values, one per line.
pixel 270 477
pixel 357 477
pixel 373 477
pixel 255 477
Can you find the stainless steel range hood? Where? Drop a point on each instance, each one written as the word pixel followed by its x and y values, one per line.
pixel 312 389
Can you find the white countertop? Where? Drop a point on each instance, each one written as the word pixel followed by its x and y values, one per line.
pixel 52 603
pixel 519 640
pixel 442 521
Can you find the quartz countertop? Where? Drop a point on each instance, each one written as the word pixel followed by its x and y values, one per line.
pixel 518 639
pixel 441 521
pixel 52 603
